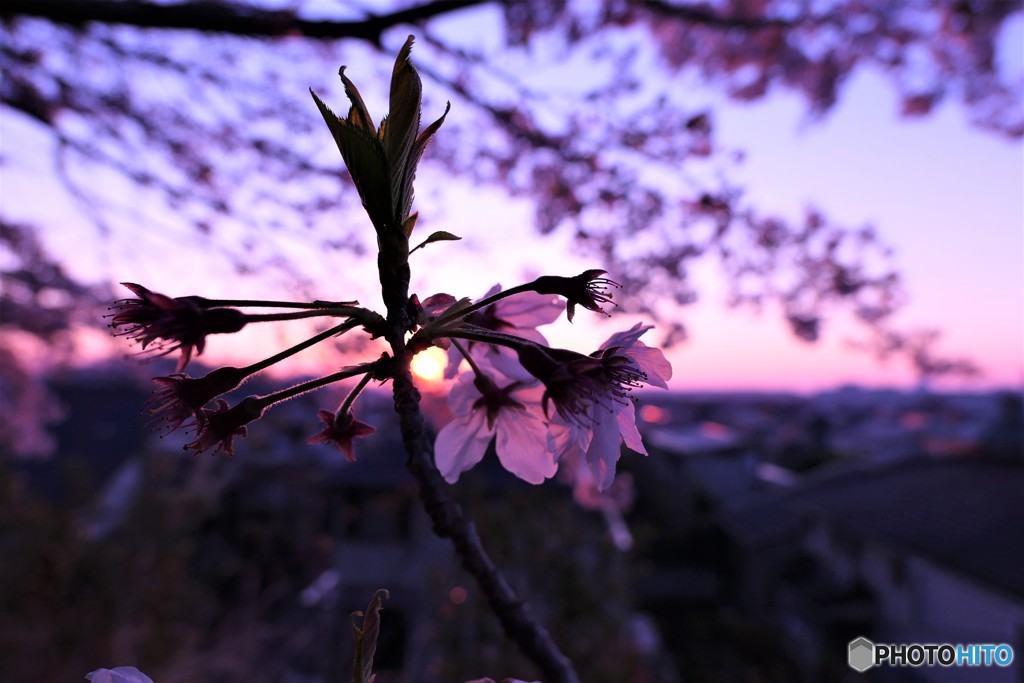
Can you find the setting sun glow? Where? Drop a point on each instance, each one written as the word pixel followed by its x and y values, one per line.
pixel 429 365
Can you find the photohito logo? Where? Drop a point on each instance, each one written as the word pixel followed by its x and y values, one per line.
pixel 863 654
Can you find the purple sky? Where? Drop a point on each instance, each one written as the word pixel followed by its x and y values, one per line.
pixel 948 197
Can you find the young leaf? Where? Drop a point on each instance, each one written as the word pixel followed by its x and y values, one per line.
pixel 358 115
pixel 409 225
pixel 364 157
pixel 366 638
pixel 439 236
pixel 403 122
pixel 405 190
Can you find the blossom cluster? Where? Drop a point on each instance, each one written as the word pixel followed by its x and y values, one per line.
pixel 543 406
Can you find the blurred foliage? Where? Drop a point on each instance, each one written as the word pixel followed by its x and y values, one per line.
pixel 188 589
pixel 131 596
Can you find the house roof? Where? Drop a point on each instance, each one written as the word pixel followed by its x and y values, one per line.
pixel 966 514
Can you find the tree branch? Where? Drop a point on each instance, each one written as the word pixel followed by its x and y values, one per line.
pixel 447 517
pixel 699 14
pixel 224 18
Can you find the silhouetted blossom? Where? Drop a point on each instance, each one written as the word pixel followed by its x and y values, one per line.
pixel 594 413
pixel 166 324
pixel 180 397
pixel 588 289
pixel 217 426
pixel 341 429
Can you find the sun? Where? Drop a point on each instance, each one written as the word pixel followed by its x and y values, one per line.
pixel 429 365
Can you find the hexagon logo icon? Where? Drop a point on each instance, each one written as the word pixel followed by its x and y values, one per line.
pixel 861 654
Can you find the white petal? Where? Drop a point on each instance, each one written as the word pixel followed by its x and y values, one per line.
pixel 461 444
pixel 523 446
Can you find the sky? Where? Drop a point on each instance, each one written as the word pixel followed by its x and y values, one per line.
pixel 948 197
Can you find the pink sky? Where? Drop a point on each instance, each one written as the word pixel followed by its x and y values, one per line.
pixel 948 197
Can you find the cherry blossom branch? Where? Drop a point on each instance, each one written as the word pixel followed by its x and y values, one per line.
pixel 469 358
pixel 293 391
pixel 299 315
pixel 483 303
pixel 346 405
pixel 215 18
pixel 449 521
pixel 203 302
pixel 482 334
pixel 326 334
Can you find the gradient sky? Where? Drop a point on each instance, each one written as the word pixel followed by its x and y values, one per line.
pixel 948 197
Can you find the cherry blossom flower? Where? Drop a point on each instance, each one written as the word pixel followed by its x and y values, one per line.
pixel 180 397
pixel 217 426
pixel 651 361
pixel 341 429
pixel 167 325
pixel 591 395
pixel 482 411
pixel 588 289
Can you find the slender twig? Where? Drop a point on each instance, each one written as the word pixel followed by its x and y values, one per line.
pixel 346 405
pixel 292 392
pixel 449 521
pixel 469 358
pixel 259 303
pixel 299 315
pixel 301 346
pixel 483 303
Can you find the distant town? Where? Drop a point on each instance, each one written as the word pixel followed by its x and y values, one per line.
pixel 763 533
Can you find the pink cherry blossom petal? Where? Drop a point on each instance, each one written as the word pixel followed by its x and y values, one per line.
pixel 604 450
pixel 626 420
pixel 652 362
pixel 529 309
pixel 461 444
pixel 522 446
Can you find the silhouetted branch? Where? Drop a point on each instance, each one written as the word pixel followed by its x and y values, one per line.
pixel 231 19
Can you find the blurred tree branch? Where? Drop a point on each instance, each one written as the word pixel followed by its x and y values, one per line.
pixel 210 17
pixel 612 157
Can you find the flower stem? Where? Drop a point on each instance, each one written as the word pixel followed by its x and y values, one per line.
pixel 483 303
pixel 292 392
pixel 326 334
pixel 447 516
pixel 298 315
pixel 486 336
pixel 346 405
pixel 203 302
pixel 469 359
